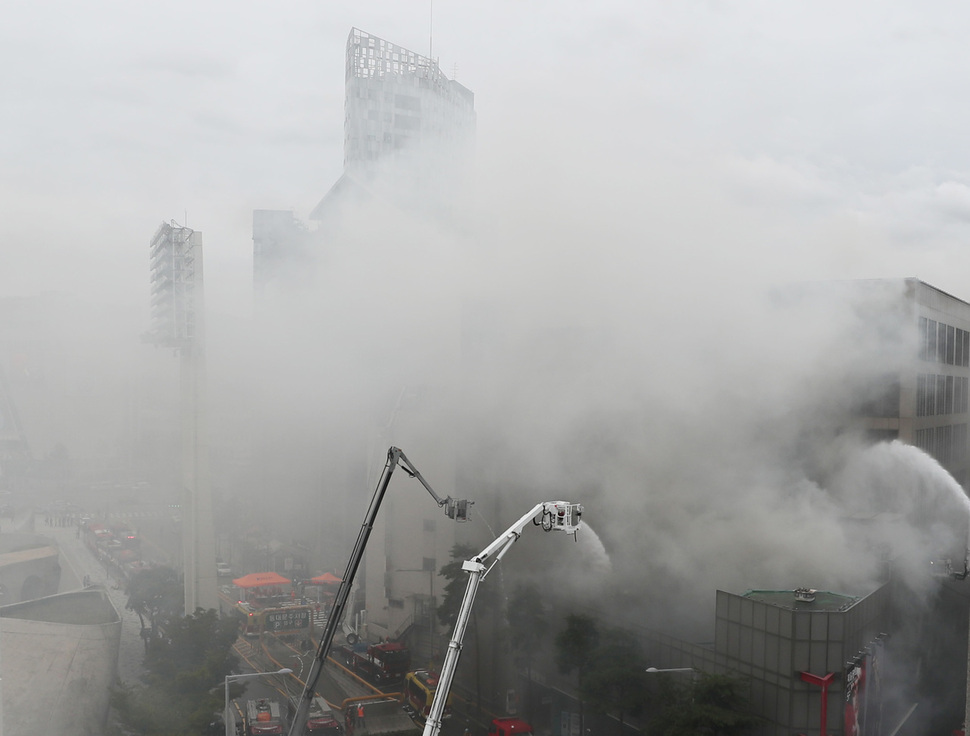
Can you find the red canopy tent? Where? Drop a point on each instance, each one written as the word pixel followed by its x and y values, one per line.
pixel 325 579
pixel 260 579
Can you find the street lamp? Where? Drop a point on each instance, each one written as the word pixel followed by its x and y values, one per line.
pixel 651 670
pixel 230 678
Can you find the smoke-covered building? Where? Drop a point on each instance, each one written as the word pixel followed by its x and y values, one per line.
pixel 403 118
pixel 910 379
pixel 408 133
pixel 806 654
pixel 280 248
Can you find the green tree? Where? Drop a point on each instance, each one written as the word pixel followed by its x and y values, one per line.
pixel 528 626
pixel 613 680
pixel 155 594
pixel 575 646
pixel 454 590
pixel 576 643
pixel 186 671
pixel 712 705
pixel 527 622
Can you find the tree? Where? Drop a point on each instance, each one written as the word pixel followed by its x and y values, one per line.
pixel 528 627
pixel 614 677
pixel 156 594
pixel 575 645
pixel 527 621
pixel 711 704
pixel 454 589
pixel 186 672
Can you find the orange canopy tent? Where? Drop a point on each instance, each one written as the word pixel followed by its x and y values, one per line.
pixel 259 579
pixel 325 579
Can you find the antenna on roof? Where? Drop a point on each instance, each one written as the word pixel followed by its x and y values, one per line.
pixel 431 29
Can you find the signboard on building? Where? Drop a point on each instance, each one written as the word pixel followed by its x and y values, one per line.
pixel 855 684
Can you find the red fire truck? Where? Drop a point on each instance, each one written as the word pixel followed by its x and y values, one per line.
pixel 381 663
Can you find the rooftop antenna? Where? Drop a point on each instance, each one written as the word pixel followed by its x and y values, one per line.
pixel 431 29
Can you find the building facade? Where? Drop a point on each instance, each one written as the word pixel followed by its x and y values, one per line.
pixel 805 654
pixel 927 402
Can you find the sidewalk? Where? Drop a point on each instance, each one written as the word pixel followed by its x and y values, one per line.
pixel 76 562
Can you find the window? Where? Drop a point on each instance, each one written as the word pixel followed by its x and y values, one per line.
pixel 931 334
pixel 950 344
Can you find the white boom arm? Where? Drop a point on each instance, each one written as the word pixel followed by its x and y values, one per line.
pixel 550 515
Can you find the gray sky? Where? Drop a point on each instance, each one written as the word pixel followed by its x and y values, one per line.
pixel 808 140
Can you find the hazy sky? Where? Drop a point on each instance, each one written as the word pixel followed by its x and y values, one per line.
pixel 808 139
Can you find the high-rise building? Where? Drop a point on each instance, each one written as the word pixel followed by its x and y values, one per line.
pixel 408 132
pixel 401 115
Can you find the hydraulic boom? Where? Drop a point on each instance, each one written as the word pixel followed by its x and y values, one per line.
pixel 454 509
pixel 550 515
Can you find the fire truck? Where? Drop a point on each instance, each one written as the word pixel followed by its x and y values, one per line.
pixel 509 727
pixel 321 720
pixel 418 695
pixel 264 716
pixel 381 663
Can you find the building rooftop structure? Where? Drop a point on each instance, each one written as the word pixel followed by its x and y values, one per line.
pixel 803 599
pixel 399 108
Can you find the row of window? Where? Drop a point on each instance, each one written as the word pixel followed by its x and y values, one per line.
pixel 943 343
pixel 947 444
pixel 937 395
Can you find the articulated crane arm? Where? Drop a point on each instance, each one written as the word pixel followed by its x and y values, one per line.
pixel 454 509
pixel 550 515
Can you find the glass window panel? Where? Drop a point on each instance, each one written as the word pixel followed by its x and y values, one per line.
pixel 758 649
pixel 771 619
pixel 772 654
pixel 784 622
pixel 784 656
pixel 836 626
pixel 817 656
pixel 744 644
pixel 820 626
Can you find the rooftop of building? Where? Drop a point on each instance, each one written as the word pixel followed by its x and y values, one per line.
pixel 803 599
pixel 88 607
